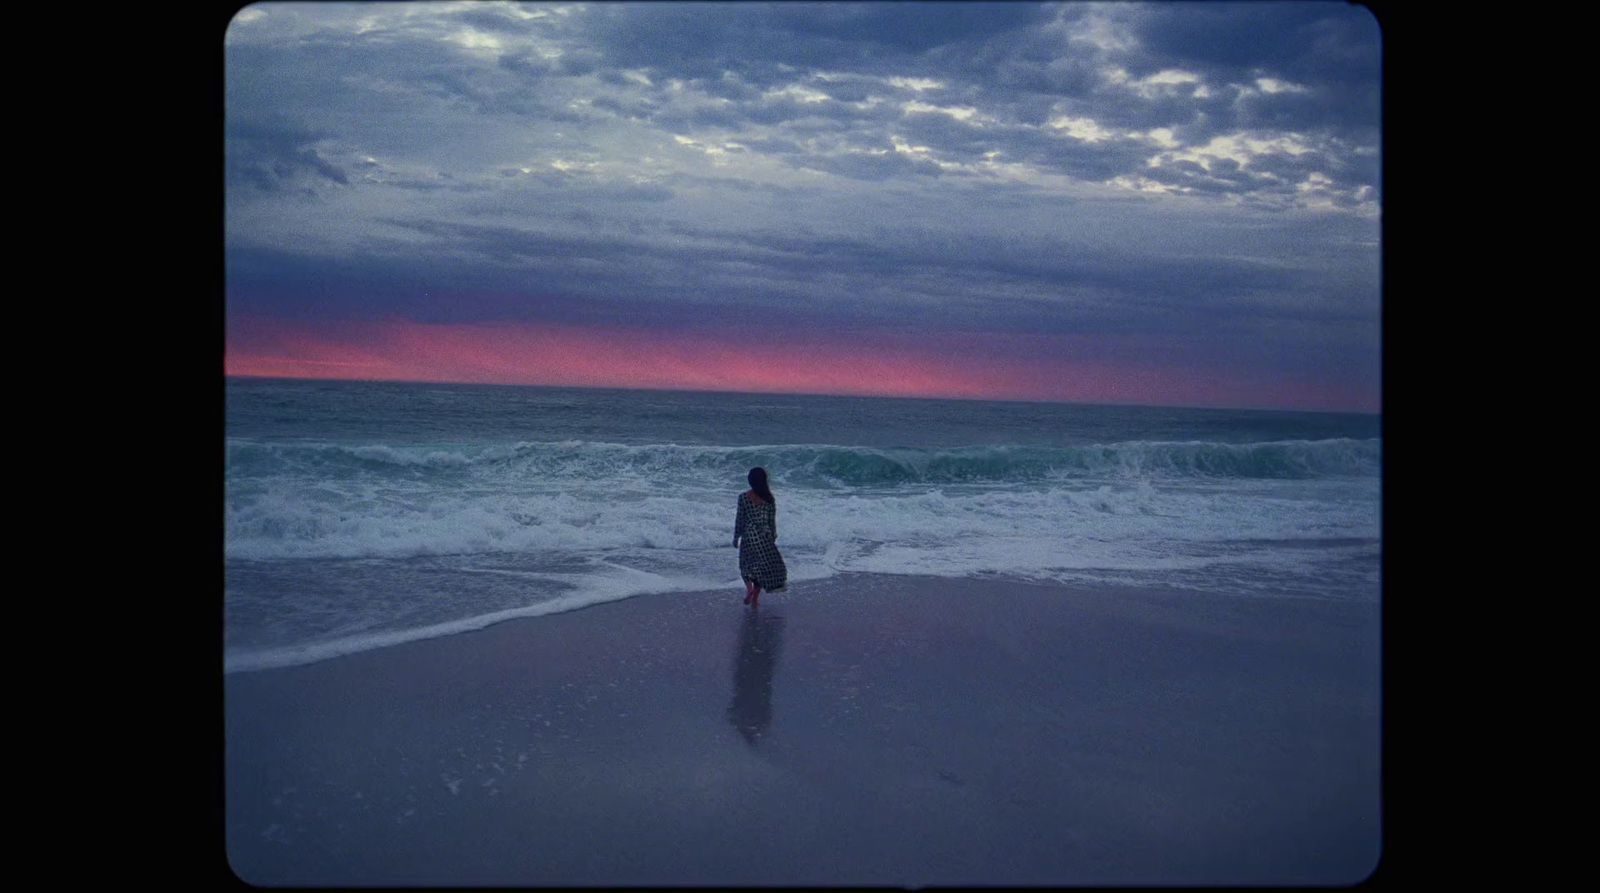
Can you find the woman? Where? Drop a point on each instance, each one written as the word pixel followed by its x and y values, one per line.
pixel 755 532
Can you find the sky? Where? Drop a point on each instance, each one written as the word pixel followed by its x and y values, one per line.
pixel 1174 203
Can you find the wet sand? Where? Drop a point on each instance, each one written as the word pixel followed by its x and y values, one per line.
pixel 863 730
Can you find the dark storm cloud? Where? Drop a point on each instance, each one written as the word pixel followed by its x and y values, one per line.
pixel 273 157
pixel 492 17
pixel 649 267
pixel 1331 47
pixel 697 40
pixel 910 27
pixel 1322 42
pixel 531 67
pixel 1074 287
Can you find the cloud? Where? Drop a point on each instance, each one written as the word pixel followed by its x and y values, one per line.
pixel 1207 172
pixel 274 157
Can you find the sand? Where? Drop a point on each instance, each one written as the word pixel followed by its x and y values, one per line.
pixel 864 730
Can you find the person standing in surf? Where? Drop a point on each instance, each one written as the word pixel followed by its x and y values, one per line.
pixel 755 532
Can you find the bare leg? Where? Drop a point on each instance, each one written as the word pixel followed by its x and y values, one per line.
pixel 755 598
pixel 749 591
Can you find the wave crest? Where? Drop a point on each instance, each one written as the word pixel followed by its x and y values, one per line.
pixel 823 465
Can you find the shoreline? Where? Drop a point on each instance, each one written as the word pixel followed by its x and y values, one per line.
pixel 867 730
pixel 287 657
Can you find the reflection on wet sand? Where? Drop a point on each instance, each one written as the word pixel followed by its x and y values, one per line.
pixel 760 639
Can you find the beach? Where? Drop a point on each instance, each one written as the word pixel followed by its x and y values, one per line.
pixel 864 729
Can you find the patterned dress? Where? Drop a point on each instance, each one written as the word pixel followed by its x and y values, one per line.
pixel 755 529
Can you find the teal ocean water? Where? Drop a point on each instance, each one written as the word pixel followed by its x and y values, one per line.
pixel 361 514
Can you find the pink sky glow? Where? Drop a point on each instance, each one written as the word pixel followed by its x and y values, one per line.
pixel 1033 368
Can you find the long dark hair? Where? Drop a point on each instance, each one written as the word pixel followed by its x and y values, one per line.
pixel 758 483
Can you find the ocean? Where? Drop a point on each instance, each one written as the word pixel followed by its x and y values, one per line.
pixel 359 515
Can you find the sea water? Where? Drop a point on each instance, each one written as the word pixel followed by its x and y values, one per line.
pixel 362 514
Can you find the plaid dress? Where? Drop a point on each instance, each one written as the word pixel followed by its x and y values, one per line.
pixel 755 529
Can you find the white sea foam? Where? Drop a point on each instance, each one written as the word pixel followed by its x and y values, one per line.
pixel 321 502
pixel 294 655
pixel 339 539
pixel 614 582
pixel 285 521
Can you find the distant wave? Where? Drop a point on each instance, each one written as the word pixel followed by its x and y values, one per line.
pixel 856 466
pixel 822 465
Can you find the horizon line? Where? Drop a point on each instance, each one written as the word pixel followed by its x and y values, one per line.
pixel 867 396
